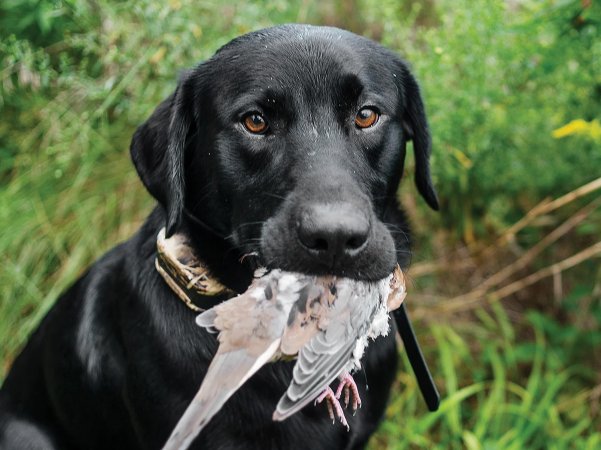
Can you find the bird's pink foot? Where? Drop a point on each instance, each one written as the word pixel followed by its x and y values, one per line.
pixel 348 385
pixel 334 408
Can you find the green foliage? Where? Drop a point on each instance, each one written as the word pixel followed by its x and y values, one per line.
pixel 499 77
pixel 45 22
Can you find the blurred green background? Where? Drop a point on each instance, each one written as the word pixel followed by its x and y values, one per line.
pixel 505 288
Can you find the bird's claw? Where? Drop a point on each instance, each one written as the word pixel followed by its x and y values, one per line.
pixel 334 407
pixel 348 385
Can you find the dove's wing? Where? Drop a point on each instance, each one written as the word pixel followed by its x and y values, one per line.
pixel 325 356
pixel 250 328
pixel 227 372
pixel 312 378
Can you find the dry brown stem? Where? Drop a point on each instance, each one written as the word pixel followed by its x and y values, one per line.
pixel 477 297
pixel 533 252
pixel 544 207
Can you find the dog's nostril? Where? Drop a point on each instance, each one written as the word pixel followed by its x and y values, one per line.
pixel 313 239
pixel 356 242
pixel 320 244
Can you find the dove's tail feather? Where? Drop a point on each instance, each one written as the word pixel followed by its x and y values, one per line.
pixel 227 372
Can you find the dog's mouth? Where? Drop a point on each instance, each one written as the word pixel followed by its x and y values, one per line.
pixel 369 257
pixel 330 234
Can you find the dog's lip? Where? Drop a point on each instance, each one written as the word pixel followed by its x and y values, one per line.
pixel 332 271
pixel 321 268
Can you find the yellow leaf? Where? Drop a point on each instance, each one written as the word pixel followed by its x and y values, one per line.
pixel 196 31
pixel 158 55
pixel 462 158
pixel 175 5
pixel 595 130
pixel 579 126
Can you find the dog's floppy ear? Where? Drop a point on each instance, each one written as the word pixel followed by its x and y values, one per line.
pixel 416 129
pixel 157 150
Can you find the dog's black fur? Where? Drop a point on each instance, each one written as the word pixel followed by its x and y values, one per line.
pixel 116 361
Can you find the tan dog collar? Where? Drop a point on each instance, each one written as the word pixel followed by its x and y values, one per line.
pixel 185 274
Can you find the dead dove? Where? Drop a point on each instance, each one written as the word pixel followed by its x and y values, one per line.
pixel 324 320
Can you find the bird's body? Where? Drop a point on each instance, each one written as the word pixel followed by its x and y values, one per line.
pixel 325 321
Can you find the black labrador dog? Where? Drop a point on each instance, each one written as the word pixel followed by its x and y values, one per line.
pixel 288 146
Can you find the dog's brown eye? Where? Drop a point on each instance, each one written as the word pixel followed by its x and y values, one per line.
pixel 255 123
pixel 366 118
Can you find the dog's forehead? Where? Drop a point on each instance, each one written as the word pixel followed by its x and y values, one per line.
pixel 293 44
pixel 317 58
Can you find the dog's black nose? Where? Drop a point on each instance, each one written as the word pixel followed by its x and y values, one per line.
pixel 333 231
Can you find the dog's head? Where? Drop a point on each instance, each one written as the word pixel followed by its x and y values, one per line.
pixel 290 143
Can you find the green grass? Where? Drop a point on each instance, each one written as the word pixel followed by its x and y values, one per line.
pixel 76 78
pixel 499 393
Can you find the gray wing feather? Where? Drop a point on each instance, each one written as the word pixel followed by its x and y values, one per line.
pixel 313 362
pixel 299 395
pixel 227 372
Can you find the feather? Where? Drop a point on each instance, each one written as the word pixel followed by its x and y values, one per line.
pixel 227 372
pixel 305 390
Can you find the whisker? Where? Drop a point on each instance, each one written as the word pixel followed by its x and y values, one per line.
pixel 271 194
pixel 200 199
pixel 382 197
pixel 397 230
pixel 393 225
pixel 247 224
pixel 243 225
